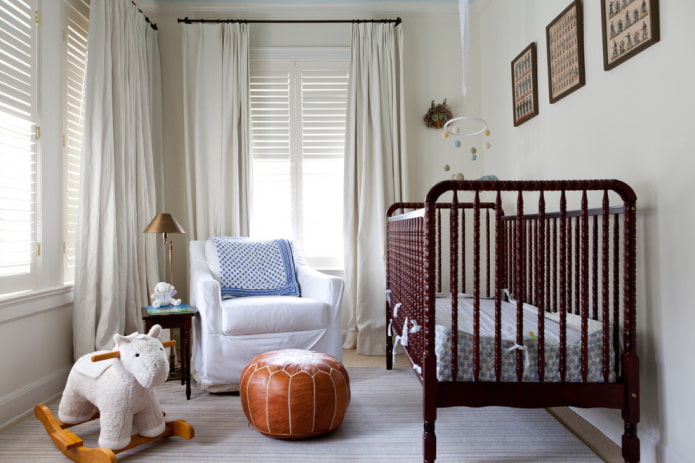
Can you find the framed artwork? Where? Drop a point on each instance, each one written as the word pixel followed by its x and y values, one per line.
pixel 525 85
pixel 629 26
pixel 565 43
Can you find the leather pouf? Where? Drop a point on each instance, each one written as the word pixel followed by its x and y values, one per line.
pixel 292 393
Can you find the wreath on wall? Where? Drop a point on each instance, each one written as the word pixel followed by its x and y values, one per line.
pixel 438 115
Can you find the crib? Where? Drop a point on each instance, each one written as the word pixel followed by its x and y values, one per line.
pixel 517 294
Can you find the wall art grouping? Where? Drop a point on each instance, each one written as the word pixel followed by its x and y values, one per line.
pixel 629 26
pixel 525 85
pixel 565 45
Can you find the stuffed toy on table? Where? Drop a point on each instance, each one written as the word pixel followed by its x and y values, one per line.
pixel 121 388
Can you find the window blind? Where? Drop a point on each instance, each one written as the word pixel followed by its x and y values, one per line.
pixel 18 145
pixel 75 67
pixel 298 118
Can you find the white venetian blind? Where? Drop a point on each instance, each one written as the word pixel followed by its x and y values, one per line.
pixel 298 117
pixel 18 152
pixel 75 68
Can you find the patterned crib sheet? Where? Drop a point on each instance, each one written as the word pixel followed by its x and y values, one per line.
pixel 510 347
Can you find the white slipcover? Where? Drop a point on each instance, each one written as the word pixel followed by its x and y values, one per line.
pixel 228 334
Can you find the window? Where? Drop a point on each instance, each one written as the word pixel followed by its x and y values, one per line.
pixel 75 36
pixel 35 218
pixel 298 118
pixel 18 146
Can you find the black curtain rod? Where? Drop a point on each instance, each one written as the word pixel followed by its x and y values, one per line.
pixel 147 20
pixel 186 20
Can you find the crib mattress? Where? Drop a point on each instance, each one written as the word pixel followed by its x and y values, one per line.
pixel 510 347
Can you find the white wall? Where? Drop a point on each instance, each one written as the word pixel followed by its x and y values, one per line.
pixel 634 123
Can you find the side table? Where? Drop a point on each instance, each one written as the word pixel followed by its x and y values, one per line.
pixel 182 321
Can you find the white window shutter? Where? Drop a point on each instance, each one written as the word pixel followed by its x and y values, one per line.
pixel 18 146
pixel 298 120
pixel 75 68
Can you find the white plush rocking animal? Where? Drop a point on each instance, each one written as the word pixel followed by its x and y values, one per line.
pixel 121 388
pixel 163 295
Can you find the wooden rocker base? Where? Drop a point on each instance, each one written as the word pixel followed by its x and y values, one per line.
pixel 72 446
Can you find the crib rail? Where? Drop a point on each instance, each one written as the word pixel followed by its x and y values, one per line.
pixel 564 247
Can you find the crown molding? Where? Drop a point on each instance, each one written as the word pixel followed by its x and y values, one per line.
pixel 260 11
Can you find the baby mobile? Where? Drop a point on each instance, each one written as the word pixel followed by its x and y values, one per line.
pixel 440 116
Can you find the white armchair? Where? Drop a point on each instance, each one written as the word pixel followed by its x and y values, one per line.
pixel 228 333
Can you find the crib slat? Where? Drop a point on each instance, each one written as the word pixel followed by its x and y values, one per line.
pixel 605 256
pixel 594 269
pixel 463 250
pixel 585 286
pixel 476 287
pixel 500 258
pixel 568 257
pixel 521 284
pixel 439 251
pixel 555 270
pixel 540 287
pixel 616 286
pixel 577 267
pixel 487 252
pixel 563 287
pixel 453 282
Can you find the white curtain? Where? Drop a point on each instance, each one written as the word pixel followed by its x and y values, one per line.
pixel 375 177
pixel 115 261
pixel 215 87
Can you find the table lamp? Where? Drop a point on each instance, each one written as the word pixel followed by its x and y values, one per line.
pixel 165 223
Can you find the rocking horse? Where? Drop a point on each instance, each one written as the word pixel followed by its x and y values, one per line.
pixel 120 393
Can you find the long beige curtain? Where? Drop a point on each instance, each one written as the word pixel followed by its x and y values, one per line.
pixel 215 87
pixel 375 177
pixel 115 261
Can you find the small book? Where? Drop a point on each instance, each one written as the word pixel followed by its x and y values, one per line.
pixel 170 309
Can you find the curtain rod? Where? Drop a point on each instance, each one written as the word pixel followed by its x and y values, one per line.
pixel 186 20
pixel 147 20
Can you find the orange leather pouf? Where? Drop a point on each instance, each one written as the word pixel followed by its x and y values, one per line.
pixel 292 393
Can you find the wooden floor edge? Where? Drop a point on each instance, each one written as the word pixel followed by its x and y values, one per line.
pixel 605 448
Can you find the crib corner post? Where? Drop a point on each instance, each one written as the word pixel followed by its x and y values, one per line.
pixel 631 411
pixel 429 442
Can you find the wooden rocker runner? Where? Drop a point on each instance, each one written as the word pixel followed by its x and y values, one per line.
pixel 72 446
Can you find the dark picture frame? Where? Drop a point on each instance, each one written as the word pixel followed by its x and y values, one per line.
pixel 565 44
pixel 525 85
pixel 629 27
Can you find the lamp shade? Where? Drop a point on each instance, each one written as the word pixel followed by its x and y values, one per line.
pixel 164 223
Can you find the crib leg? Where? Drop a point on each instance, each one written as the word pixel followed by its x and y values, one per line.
pixel 430 443
pixel 631 450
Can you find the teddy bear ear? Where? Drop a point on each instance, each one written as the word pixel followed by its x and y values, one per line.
pixel 154 331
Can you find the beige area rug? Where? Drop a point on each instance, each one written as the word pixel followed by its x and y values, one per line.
pixel 383 424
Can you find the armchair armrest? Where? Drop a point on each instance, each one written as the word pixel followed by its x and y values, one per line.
pixel 321 286
pixel 204 289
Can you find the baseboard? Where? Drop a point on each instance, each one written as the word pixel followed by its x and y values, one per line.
pixel 605 448
pixel 18 405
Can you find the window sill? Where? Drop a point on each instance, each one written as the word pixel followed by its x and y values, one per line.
pixel 32 302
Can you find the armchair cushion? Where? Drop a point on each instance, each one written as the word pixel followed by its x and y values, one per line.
pixel 246 267
pixel 273 314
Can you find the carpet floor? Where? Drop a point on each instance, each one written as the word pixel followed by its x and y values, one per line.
pixel 383 424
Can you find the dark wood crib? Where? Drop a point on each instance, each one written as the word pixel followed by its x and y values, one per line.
pixel 518 294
